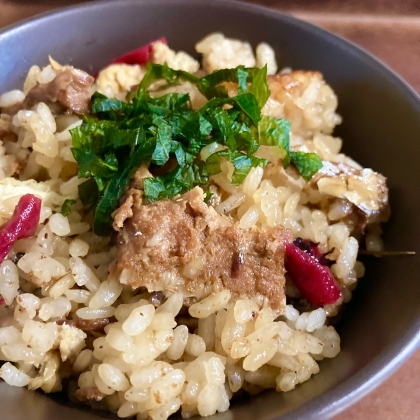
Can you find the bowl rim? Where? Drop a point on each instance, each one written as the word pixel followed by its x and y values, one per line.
pixel 335 400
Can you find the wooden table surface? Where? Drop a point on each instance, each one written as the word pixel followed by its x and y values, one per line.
pixel 391 30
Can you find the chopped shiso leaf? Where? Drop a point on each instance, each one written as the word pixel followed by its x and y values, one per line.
pixel 166 132
pixel 306 163
pixel 66 207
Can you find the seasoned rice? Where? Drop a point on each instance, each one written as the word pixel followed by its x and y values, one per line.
pixel 65 313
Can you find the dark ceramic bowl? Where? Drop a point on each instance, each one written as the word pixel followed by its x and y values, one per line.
pixel 381 326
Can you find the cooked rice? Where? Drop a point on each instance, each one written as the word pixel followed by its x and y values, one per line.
pixel 147 363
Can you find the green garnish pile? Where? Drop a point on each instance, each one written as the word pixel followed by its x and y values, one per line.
pixel 165 132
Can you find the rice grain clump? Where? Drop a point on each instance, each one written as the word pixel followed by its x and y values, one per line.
pixel 67 313
pixel 161 367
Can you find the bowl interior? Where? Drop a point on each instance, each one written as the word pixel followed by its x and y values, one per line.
pixel 381 129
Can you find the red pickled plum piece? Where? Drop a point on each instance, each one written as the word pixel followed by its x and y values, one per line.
pixel 22 224
pixel 313 280
pixel 312 248
pixel 139 55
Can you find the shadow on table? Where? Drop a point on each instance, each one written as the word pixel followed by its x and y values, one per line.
pixel 375 7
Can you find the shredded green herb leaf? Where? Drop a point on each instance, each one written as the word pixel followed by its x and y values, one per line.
pixel 163 132
pixel 306 163
pixel 66 207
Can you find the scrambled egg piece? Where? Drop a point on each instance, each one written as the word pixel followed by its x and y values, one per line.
pixel 72 341
pixel 220 52
pixel 12 189
pixel 161 54
pixel 224 53
pixel 119 78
